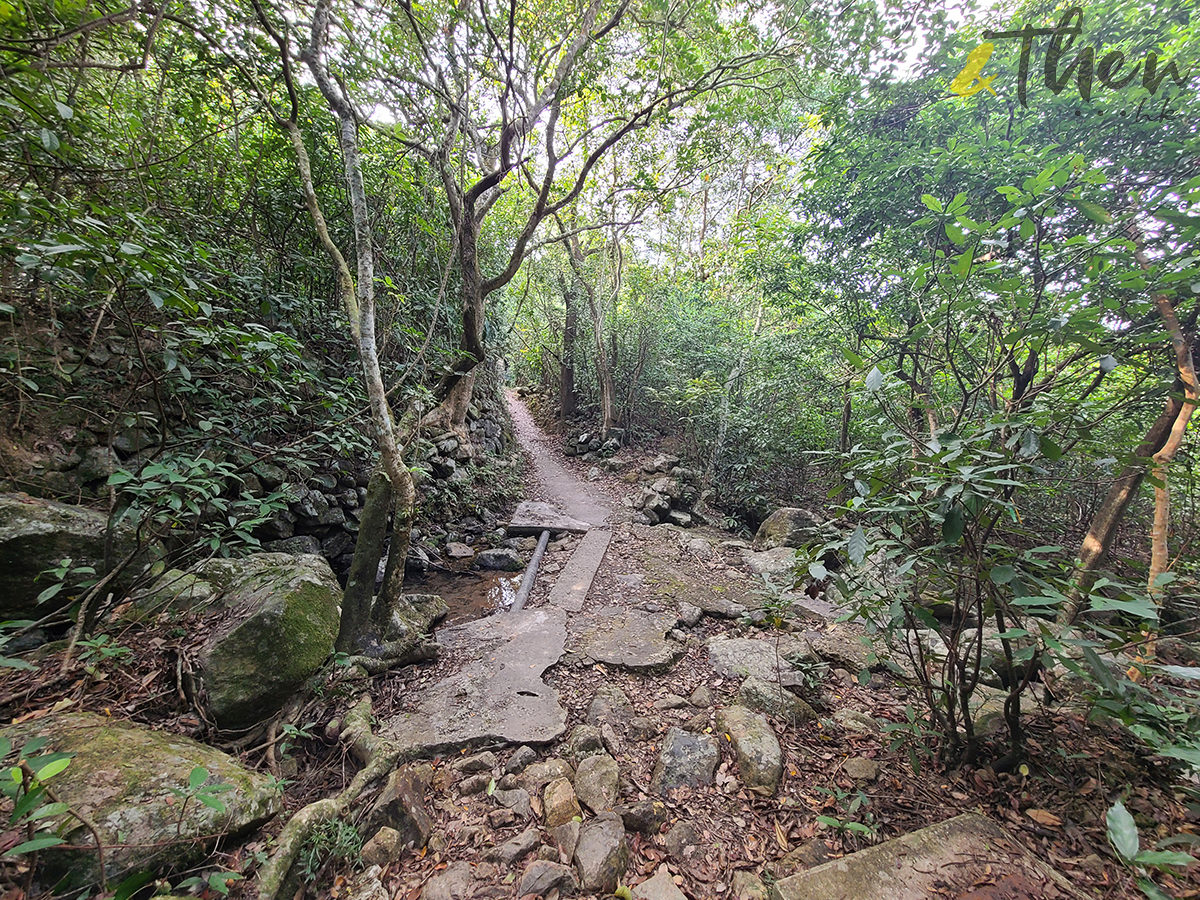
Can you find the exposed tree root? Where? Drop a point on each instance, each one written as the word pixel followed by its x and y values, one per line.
pixel 273 875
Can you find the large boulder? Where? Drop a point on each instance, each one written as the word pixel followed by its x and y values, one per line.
pixel 787 527
pixel 123 777
pixel 36 534
pixel 271 619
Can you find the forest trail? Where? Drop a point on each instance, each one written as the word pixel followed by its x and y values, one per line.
pixel 553 483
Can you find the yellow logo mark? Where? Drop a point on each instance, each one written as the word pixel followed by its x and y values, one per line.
pixel 967 82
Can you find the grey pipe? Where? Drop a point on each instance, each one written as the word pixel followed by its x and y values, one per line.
pixel 527 581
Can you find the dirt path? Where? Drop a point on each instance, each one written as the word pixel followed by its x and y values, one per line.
pixel 554 483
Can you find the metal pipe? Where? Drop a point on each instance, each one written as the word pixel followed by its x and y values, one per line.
pixel 527 581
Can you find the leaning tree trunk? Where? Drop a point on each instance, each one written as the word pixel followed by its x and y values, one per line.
pixel 356 627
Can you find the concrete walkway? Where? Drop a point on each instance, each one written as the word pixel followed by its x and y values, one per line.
pixel 559 487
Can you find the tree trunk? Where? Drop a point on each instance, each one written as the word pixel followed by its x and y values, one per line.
pixel 1107 519
pixel 355 628
pixel 566 371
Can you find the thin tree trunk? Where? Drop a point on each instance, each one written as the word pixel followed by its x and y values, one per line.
pixel 566 371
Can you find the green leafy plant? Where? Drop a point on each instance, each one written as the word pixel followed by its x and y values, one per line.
pixel 95 652
pixel 202 792
pixel 331 841
pixel 853 818
pixel 292 737
pixel 1123 835
pixel 217 880
pixel 11 662
pixel 24 784
pixel 66 576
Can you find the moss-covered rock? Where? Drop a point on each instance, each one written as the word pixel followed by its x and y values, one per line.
pixel 787 527
pixel 275 624
pixel 121 777
pixel 35 534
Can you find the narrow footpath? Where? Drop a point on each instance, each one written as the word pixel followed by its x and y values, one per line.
pixel 640 723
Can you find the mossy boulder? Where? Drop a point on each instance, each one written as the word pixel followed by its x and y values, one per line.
pixel 121 777
pixel 273 623
pixel 35 534
pixel 787 527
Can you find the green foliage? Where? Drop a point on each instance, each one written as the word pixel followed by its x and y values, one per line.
pixel 1123 836
pixel 24 784
pixel 853 816
pixel 189 493
pixel 66 576
pixel 95 652
pixel 202 792
pixel 11 662
pixel 331 842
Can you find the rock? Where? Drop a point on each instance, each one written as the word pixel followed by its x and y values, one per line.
pixel 585 740
pixel 122 776
pixel 610 705
pixel 401 805
pixel 503 560
pixel 97 464
pixel 366 885
pixel 385 847
pixel 474 784
pixel 664 462
pixel 538 774
pixel 129 441
pixel 748 886
pixel 683 840
pixel 36 534
pixel 412 614
pixel 680 518
pixel 843 649
pixel 520 758
pixel 631 638
pixel 759 757
pixel 689 615
pixel 746 657
pixel 300 545
pixel 594 474
pixel 721 607
pixel 967 850
pixel 685 760
pixel 517 847
pixel 271 476
pixel 518 800
pixel 701 697
pixel 856 722
pixel 559 803
pixel 566 836
pixel 862 769
pixel 459 550
pixel 542 876
pixel 697 723
pixel 772 699
pixel 698 547
pixel 775 564
pixel 501 818
pixel 668 487
pixel 602 855
pixel 478 762
pixel 670 701
pixel 180 591
pixel 787 527
pixel 453 883
pixel 645 816
pixel 597 780
pixel 641 728
pixel 272 628
pixel 608 737
pixel 660 887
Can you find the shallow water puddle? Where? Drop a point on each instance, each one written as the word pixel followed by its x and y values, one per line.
pixel 470 595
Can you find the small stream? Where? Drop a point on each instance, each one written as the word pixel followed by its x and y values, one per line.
pixel 470 595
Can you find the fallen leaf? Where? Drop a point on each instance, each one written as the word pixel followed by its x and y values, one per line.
pixel 1042 817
